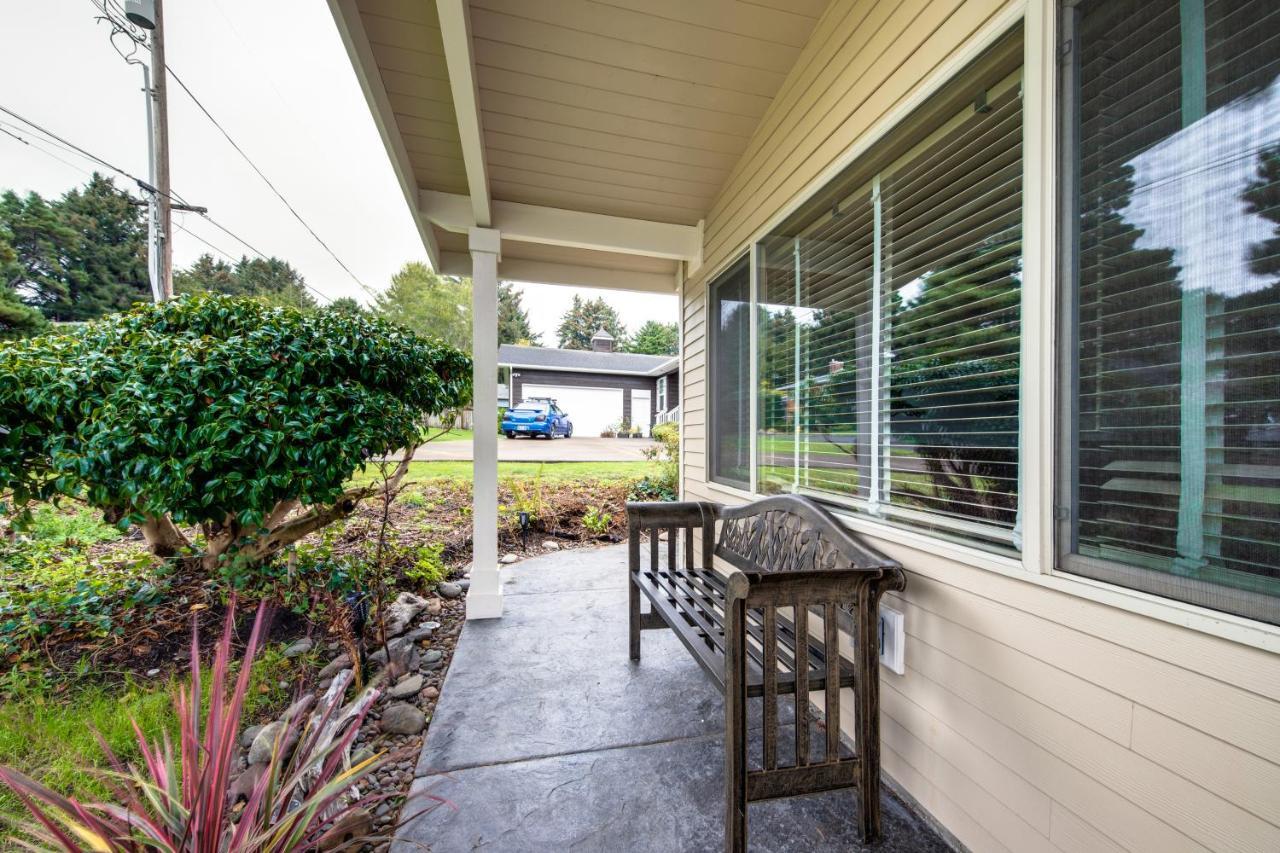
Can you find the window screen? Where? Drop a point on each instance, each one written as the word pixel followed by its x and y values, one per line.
pixel 888 320
pixel 729 321
pixel 1172 391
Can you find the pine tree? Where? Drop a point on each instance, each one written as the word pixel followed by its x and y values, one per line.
pixel 272 281
pixel 584 318
pixel 346 305
pixel 81 256
pixel 513 320
pixel 17 319
pixel 428 303
pixel 654 338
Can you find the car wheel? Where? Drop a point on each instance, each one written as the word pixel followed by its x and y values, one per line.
pixel 569 432
pixel 511 434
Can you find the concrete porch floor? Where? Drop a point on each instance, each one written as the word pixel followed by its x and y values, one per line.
pixel 547 737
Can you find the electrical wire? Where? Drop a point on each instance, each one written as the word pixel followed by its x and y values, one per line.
pixel 174 196
pixel 107 7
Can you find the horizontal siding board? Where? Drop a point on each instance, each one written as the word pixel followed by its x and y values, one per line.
pixel 1023 797
pixel 1230 772
pixel 1024 676
pixel 408 35
pixel 1072 834
pixel 1200 814
pixel 1230 713
pixel 1119 818
pixel 586 187
pixel 568 156
pixel 421 12
pixel 783 26
pixel 971 833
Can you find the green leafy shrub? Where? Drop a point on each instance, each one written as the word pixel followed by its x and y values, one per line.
pixel 664 483
pixel 596 521
pixel 222 413
pixel 427 567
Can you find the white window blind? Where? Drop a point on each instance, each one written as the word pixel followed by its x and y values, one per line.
pixel 1172 386
pixel 888 321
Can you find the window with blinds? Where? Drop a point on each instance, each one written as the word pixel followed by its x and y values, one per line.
pixel 729 324
pixel 888 320
pixel 1171 391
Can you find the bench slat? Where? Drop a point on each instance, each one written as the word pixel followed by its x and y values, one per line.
pixel 802 685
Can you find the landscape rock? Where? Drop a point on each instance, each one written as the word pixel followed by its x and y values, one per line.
pixel 431 692
pixel 299 648
pixel 335 666
pixel 422 632
pixel 465 584
pixel 407 688
pixel 434 606
pixel 401 718
pixel 242 789
pixel 509 558
pixel 247 736
pixel 401 612
pixel 448 589
pixel 551 545
pixel 264 742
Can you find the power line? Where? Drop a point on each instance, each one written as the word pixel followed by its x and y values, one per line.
pixel 111 10
pixel 72 147
pixel 262 175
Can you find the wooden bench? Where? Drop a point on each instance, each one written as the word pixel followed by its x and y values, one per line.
pixel 795 573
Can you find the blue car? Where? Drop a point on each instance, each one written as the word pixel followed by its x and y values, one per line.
pixel 537 417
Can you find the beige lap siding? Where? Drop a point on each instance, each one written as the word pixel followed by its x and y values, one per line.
pixel 1028 719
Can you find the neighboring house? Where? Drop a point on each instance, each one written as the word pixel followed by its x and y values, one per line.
pixel 597 388
pixel 1039 236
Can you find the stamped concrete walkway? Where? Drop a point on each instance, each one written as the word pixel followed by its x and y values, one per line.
pixel 547 738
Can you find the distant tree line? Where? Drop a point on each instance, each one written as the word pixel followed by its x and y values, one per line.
pixel 84 255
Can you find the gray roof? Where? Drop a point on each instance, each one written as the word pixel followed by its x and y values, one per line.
pixel 576 360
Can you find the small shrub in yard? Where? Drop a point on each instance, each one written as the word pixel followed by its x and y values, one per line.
pixel 664 484
pixel 596 521
pixel 304 798
pixel 243 420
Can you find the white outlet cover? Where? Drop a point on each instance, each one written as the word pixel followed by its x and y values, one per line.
pixel 893 640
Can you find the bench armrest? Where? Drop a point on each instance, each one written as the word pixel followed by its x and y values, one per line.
pixel 642 514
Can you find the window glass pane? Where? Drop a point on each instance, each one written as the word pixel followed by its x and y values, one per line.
pixel 1172 127
pixel 888 321
pixel 730 325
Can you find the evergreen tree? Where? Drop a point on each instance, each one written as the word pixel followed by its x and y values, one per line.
pixel 586 317
pixel 654 338
pixel 428 303
pixel 346 305
pixel 17 319
pixel 272 281
pixel 513 320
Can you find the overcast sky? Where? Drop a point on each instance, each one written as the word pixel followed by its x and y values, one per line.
pixel 276 76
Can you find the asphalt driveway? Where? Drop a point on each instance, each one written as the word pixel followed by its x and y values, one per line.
pixel 576 449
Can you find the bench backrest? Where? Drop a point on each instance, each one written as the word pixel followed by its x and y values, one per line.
pixel 791 533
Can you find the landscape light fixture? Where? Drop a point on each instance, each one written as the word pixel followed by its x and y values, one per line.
pixel 141 13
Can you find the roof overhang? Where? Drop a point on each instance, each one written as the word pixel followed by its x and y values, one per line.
pixel 594 139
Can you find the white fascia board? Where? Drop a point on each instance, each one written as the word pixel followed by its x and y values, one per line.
pixel 571 275
pixel 553 226
pixel 455 29
pixel 638 374
pixel 354 38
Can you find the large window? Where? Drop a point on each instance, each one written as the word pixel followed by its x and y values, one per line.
pixel 729 325
pixel 888 320
pixel 1171 168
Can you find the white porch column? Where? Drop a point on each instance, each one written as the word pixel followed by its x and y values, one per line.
pixel 484 599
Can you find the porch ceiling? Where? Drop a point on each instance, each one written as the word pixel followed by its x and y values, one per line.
pixel 632 111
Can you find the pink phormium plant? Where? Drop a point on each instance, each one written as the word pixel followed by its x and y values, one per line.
pixel 305 798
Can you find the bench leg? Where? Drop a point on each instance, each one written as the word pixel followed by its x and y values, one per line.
pixel 868 718
pixel 634 608
pixel 735 729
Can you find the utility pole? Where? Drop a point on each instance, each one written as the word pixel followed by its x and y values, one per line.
pixel 163 183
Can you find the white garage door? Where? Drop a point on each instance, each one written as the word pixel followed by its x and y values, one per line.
pixel 590 409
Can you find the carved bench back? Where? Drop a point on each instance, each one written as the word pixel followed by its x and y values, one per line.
pixel 791 533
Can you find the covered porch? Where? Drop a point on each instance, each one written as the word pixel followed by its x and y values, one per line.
pixel 548 737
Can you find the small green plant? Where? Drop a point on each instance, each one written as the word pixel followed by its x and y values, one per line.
pixel 427 567
pixel 417 500
pixel 596 521
pixel 664 483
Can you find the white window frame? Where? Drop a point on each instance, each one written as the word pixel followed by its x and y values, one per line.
pixel 660 394
pixel 1039 374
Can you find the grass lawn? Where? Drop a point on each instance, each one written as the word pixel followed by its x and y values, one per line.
pixel 551 472
pixel 52 737
pixel 451 435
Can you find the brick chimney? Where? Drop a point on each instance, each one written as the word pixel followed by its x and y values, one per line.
pixel 602 341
